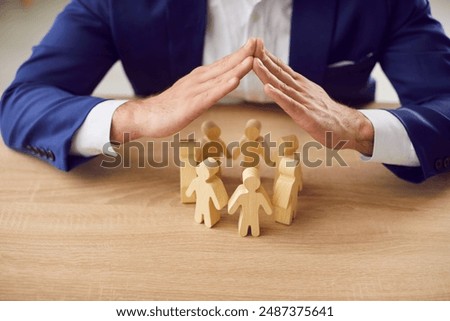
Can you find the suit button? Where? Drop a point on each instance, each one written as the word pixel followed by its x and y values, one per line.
pixel 50 155
pixel 29 147
pixel 34 150
pixel 438 164
pixel 41 152
pixel 447 162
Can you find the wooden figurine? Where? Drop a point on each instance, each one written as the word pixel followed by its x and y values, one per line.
pixel 287 146
pixel 211 141
pixel 251 141
pixel 189 157
pixel 285 191
pixel 250 199
pixel 210 192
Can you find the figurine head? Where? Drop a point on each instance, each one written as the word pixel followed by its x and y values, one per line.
pixel 250 177
pixel 288 145
pixel 208 168
pixel 211 130
pixel 253 129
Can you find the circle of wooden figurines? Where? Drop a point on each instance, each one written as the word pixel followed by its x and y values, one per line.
pixel 201 183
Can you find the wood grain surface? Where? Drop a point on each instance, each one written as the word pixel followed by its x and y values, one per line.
pixel 122 234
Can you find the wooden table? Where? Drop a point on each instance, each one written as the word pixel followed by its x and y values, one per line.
pixel 122 234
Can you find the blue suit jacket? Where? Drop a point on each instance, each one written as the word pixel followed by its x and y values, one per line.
pixel 159 41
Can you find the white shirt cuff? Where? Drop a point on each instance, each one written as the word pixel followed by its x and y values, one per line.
pixel 392 144
pixel 92 138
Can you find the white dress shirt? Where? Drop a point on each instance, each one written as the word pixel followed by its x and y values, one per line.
pixel 229 24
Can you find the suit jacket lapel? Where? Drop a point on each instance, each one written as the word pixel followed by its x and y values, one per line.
pixel 186 28
pixel 311 35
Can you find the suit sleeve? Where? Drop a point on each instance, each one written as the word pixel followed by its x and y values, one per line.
pixel 50 96
pixel 416 60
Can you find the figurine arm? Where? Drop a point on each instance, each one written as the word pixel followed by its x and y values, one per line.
pixel 191 189
pixel 265 204
pixel 235 200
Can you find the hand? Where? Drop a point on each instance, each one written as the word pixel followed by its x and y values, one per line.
pixel 172 110
pixel 310 106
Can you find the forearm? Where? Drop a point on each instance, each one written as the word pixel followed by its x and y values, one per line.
pixel 360 132
pixel 40 120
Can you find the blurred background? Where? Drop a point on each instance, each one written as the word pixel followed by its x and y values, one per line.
pixel 24 22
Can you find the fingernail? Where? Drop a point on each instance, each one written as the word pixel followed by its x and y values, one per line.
pixel 259 62
pixel 247 44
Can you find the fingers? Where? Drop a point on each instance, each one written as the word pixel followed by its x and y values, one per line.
pixel 277 67
pixel 274 63
pixel 237 72
pixel 278 62
pixel 259 50
pixel 289 105
pixel 228 62
pixel 210 97
pixel 209 93
pixel 267 77
pixel 240 70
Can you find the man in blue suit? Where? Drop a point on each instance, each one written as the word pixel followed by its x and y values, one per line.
pixel 331 48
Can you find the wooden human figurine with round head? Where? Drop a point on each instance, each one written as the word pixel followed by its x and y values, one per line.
pixel 189 157
pixel 250 144
pixel 211 141
pixel 250 199
pixel 285 190
pixel 210 192
pixel 287 147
